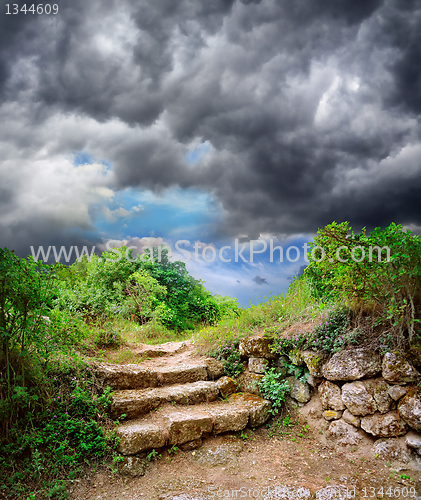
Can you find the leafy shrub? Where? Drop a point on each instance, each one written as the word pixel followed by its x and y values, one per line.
pixel 60 425
pixel 381 270
pixel 273 389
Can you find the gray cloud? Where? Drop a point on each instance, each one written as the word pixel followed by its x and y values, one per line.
pixel 259 280
pixel 311 107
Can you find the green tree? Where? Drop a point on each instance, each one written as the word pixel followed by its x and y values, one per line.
pixel 26 293
pixel 381 269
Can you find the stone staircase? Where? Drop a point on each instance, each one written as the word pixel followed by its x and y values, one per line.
pixel 175 397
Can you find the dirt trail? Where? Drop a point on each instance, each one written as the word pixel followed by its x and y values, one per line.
pixel 294 452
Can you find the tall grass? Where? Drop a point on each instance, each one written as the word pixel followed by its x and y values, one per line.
pixel 270 316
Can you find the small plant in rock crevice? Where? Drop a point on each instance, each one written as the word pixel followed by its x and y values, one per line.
pixel 273 389
pixel 229 353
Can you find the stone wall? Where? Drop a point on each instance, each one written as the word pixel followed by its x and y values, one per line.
pixel 361 393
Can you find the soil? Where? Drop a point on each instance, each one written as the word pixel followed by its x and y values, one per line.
pixel 293 449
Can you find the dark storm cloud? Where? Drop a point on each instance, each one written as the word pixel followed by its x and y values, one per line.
pixel 311 107
pixel 259 280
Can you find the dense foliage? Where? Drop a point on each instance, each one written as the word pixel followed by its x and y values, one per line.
pixel 148 288
pixel 379 272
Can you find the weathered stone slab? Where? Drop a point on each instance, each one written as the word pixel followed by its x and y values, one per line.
pixel 125 376
pixel 397 370
pixel 409 409
pixel 249 382
pixel 137 402
pixel 256 347
pixel 139 436
pixel 345 434
pixel 300 391
pixel 258 365
pixel 388 425
pixel 352 365
pixel 214 368
pixel 330 396
pixel 181 374
pixel 221 454
pixel 228 417
pixel 184 426
pixel 155 351
pixel 357 399
pixel 227 386
pixel 258 407
pixel 349 418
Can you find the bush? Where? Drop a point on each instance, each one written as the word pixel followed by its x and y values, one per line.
pixel 391 287
pixel 273 389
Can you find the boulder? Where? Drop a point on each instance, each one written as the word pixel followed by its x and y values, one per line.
pixel 357 398
pixel 352 365
pixel 258 365
pixel 388 425
pixel 397 392
pixel 379 389
pixel 409 409
pixel 249 382
pixel 226 386
pixel 330 396
pixel 390 449
pixel 413 440
pixel 314 362
pixel 346 434
pixel 256 347
pixel 214 368
pixel 397 370
pixel 332 415
pixel 300 391
pixel 351 419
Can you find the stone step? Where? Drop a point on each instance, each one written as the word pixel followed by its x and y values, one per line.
pixel 155 351
pixel 133 376
pixel 133 403
pixel 171 425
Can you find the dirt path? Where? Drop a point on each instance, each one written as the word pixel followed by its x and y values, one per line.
pixel 254 466
pixel 274 461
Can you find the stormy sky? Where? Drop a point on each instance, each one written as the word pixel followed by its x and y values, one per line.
pixel 208 121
